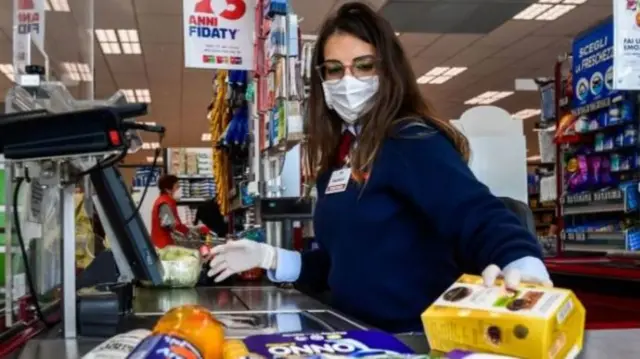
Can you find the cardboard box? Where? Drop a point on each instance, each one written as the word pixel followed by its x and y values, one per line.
pixel 530 322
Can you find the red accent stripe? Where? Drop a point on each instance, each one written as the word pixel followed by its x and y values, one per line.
pixel 34 328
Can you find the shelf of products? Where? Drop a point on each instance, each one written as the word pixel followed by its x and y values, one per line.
pixel 194 169
pixel 600 155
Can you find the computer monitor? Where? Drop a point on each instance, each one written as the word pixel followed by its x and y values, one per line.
pixel 127 233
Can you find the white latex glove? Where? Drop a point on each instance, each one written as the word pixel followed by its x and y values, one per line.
pixel 512 277
pixel 239 256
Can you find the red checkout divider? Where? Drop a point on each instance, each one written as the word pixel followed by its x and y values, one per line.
pixel 609 288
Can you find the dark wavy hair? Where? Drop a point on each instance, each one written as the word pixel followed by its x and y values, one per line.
pixel 166 183
pixel 398 102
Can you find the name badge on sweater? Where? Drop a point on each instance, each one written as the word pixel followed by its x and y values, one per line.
pixel 338 181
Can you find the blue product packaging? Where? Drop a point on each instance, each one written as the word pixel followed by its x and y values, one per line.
pixel 608 143
pixel 598 142
pixel 630 190
pixel 594 123
pixel 615 162
pixel 626 111
pixel 164 346
pixel 613 116
pixel 582 124
pixel 618 140
pixel 630 135
pixel 351 344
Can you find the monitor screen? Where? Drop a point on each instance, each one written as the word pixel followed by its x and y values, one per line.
pixel 128 228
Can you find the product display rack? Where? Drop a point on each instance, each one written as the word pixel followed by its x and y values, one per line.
pixel 598 147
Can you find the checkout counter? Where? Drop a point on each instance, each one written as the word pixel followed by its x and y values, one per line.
pixel 248 310
pixel 245 309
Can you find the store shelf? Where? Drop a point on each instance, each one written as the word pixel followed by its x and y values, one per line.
pixel 611 200
pixel 608 242
pixel 195 176
pixel 543 209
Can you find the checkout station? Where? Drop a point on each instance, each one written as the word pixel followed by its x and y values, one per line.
pixel 48 150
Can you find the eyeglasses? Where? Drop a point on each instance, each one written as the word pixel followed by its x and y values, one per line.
pixel 362 66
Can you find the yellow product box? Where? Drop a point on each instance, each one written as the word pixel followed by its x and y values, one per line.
pixel 531 322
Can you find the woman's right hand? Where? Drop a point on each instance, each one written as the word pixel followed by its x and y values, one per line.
pixel 239 256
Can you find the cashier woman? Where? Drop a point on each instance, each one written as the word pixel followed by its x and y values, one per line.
pixel 399 215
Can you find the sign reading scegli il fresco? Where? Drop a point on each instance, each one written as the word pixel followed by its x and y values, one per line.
pixel 592 70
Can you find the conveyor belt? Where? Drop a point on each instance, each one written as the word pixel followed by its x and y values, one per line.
pixel 267 309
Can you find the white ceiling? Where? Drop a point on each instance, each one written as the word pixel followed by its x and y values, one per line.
pixel 517 49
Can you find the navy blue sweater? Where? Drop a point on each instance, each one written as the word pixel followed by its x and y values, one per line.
pixel 390 248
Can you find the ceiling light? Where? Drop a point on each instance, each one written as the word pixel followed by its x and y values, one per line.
pixel 533 158
pixel 555 12
pixel 526 113
pixel 488 97
pixel 150 145
pixel 115 42
pixel 206 137
pixel 78 71
pixel 532 11
pixel 57 5
pixel 548 10
pixel 137 95
pixel 7 70
pixel 440 75
pixel 151 158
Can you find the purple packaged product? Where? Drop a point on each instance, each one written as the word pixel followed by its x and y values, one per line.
pixel 605 172
pixel 348 343
pixel 596 162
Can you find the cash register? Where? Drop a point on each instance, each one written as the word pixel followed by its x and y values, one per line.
pixel 59 149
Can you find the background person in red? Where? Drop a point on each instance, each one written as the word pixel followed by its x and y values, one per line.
pixel 165 221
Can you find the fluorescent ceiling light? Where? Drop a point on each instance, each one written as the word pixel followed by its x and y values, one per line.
pixel 440 75
pixel 78 71
pixel 547 10
pixel 7 70
pixel 150 159
pixel 526 113
pixel 57 5
pixel 533 158
pixel 555 12
pixel 137 95
pixel 150 123
pixel 115 42
pixel 488 97
pixel 150 145
pixel 206 137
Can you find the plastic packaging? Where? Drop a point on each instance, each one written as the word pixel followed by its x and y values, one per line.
pixel 184 332
pixel 119 346
pixel 181 266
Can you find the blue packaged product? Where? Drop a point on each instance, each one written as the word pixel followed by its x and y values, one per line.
pixel 630 135
pixel 164 346
pixel 618 140
pixel 615 162
pixel 625 165
pixel 346 344
pixel 613 116
pixel 582 124
pixel 599 142
pixel 626 111
pixel 603 119
pixel 608 143
pixel 594 124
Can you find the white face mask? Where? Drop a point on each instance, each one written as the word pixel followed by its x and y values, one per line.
pixel 350 97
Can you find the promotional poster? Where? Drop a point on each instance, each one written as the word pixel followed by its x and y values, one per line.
pixel 626 69
pixel 592 69
pixel 218 34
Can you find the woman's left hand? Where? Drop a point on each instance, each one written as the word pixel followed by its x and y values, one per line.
pixel 527 269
